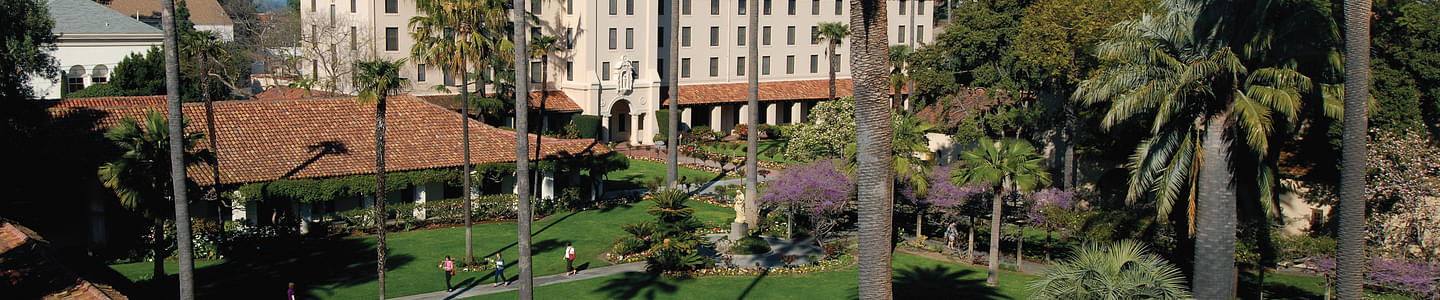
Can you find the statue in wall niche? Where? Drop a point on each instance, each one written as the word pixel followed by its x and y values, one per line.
pixel 626 78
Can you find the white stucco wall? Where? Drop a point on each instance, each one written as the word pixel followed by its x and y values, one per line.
pixel 88 55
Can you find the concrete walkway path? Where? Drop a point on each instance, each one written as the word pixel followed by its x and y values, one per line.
pixel 473 289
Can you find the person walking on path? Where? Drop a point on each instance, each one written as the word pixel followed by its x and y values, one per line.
pixel 448 265
pixel 500 271
pixel 290 293
pixel 569 259
pixel 950 234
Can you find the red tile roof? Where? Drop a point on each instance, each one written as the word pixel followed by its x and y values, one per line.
pixel 313 138
pixel 203 12
pixel 769 91
pixel 108 101
pixel 555 101
pixel 30 269
pixel 281 92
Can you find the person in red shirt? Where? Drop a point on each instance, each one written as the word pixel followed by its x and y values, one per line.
pixel 449 266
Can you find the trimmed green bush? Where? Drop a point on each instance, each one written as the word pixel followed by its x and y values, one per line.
pixel 750 245
pixel 98 90
pixel 588 126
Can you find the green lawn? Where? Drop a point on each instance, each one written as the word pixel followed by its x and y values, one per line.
pixel 344 268
pixel 914 277
pixel 764 145
pixel 634 177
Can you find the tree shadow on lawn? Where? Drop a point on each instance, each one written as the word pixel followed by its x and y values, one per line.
pixel 542 245
pixel 941 282
pixel 631 285
pixel 314 265
pixel 1273 290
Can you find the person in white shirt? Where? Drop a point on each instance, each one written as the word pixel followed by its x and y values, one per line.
pixel 570 260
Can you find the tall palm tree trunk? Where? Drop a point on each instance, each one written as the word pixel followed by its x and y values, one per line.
pixel 1215 215
pixel 752 170
pixel 831 53
pixel 210 127
pixel 672 143
pixel 177 153
pixel 157 229
pixel 1350 266
pixel 465 170
pixel 970 243
pixel 380 193
pixel 1020 249
pixel 522 147
pixel 868 52
pixel 997 205
pixel 1068 155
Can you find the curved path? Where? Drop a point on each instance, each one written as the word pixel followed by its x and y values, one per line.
pixel 472 289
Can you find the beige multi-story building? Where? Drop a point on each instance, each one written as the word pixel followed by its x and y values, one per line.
pixel 613 54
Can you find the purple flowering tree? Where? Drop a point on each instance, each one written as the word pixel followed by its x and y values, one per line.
pixel 818 188
pixel 950 198
pixel 1048 209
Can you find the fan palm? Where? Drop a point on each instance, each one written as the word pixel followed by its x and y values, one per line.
pixel 520 19
pixel 1192 92
pixel 832 33
pixel 1351 259
pixel 752 167
pixel 872 138
pixel 378 79
pixel 177 151
pixel 139 176
pixel 203 46
pixel 898 55
pixel 1010 165
pixel 1121 270
pixel 672 140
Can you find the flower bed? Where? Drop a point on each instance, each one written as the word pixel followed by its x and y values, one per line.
pixel 841 261
pixel 707 155
pixel 627 258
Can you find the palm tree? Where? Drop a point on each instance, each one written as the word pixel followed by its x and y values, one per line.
pixel 832 33
pixel 1193 91
pixel 540 48
pixel 378 79
pixel 203 46
pixel 522 145
pixel 177 152
pixel 910 148
pixel 752 168
pixel 672 140
pixel 1350 263
pixel 1014 166
pixel 898 55
pixel 1121 270
pixel 136 176
pixel 872 138
pixel 445 36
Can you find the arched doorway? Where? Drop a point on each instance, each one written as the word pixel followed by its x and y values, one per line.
pixel 619 125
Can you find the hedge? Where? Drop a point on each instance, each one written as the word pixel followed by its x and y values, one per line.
pixel 589 125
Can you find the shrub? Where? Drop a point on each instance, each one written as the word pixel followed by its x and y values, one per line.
pixel 629 245
pixel 750 245
pixel 1292 247
pixel 98 90
pixel 588 126
pixel 740 129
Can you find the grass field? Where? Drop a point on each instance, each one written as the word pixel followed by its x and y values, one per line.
pixel 763 147
pixel 344 268
pixel 640 170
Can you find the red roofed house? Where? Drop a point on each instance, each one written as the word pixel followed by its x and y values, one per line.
pixel 263 141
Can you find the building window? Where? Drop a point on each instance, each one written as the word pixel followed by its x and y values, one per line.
pixel 765 35
pixel 613 33
pixel 791 10
pixel 740 66
pixel 536 72
pixel 815 7
pixel 420 72
pixel 605 71
pixel 660 37
pixel 447 77
pixel 392 6
pixel 569 41
pixel 536 7
pixel 535 33
pixel 714 66
pixel 685 36
pixel 839 7
pixel 312 5
pixel 99 74
pixel 742 9
pixel 814 64
pixel 901 36
pixel 392 39
pixel 629 7
pixel 765 65
pixel 569 7
pixel 75 79
pixel 920 7
pixel 902 7
pixel 661 5
pixel 660 65
pixel 352 6
pixel 685 7
pixel 714 7
pixel 767 7
pixel 629 38
pixel 790 64
pixel 352 37
pixel 613 7
pixel 714 36
pixel 740 36
pixel 332 15
pixel 919 33
pixel 835 64
pixel 814 35
pixel 569 70
pixel 790 35
pixel 685 67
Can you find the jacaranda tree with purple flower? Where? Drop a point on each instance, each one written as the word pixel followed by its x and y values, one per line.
pixel 1048 210
pixel 949 199
pixel 818 188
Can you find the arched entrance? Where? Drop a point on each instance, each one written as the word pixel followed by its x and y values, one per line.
pixel 620 126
